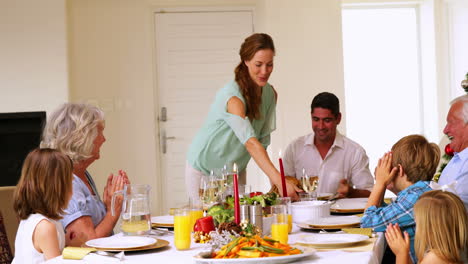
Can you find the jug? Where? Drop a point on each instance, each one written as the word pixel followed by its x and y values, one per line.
pixel 136 218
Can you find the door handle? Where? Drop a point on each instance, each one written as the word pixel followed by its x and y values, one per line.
pixel 164 140
pixel 163 116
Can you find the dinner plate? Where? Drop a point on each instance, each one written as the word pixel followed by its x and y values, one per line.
pixel 332 222
pixel 159 244
pixel 266 260
pixel 162 221
pixel 349 205
pixel 121 242
pixel 331 240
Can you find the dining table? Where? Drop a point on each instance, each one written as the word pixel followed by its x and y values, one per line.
pixel 370 254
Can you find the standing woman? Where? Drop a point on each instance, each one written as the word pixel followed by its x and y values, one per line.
pixel 240 120
pixel 77 131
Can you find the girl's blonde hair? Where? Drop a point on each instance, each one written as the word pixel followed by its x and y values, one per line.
pixel 71 129
pixel 441 226
pixel 45 184
pixel 418 157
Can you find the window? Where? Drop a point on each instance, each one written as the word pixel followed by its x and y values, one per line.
pixel 385 97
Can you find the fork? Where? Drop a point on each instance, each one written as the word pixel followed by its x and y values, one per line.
pixel 119 255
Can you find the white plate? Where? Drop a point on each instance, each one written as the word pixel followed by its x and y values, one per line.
pixel 163 220
pixel 331 240
pixel 266 260
pixel 349 204
pixel 121 242
pixel 332 222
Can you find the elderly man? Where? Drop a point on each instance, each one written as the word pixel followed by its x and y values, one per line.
pixel 341 164
pixel 457 130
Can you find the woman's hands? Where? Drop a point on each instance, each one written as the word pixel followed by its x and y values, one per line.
pixel 83 228
pixel 114 184
pixel 400 245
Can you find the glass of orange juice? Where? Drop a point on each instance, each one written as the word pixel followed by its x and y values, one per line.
pixel 182 228
pixel 287 202
pixel 196 210
pixel 279 228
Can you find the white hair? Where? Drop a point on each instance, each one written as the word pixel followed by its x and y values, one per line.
pixel 71 129
pixel 464 100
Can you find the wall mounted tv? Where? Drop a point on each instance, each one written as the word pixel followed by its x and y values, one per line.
pixel 19 134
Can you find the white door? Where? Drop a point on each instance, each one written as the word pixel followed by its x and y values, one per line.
pixel 196 54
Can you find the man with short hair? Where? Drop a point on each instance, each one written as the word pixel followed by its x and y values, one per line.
pixel 457 131
pixel 341 164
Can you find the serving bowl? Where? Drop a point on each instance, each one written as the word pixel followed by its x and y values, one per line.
pixel 308 210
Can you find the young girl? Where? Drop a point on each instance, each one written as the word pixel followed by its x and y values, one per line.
pixel 40 197
pixel 441 231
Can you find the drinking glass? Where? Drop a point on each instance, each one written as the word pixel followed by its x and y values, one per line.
pixel 304 196
pixel 182 228
pixel 287 202
pixel 279 228
pixel 196 210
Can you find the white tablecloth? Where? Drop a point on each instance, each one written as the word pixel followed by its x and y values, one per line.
pixel 170 255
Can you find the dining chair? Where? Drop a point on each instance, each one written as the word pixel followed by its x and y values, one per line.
pixel 10 220
pixel 5 250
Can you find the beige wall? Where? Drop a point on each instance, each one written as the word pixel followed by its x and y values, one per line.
pixel 33 55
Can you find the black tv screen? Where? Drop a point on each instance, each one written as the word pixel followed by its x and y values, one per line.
pixel 19 134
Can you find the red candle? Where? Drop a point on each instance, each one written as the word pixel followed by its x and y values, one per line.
pixel 283 179
pixel 236 196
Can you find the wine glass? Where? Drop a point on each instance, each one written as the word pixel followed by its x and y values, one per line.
pixel 305 181
pixel 208 191
pixel 228 171
pixel 220 181
pixel 314 186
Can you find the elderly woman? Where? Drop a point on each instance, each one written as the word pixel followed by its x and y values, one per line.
pixel 77 130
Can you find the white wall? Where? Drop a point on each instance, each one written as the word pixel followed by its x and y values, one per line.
pixel 309 60
pixel 458 28
pixel 33 55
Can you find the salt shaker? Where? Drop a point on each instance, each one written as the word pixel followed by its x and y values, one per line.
pixel 256 216
pixel 244 213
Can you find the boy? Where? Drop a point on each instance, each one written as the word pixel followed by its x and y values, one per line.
pixel 406 170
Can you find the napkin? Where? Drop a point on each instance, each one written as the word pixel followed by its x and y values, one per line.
pixel 76 252
pixel 359 231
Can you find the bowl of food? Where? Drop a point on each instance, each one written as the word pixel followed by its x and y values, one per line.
pixel 308 210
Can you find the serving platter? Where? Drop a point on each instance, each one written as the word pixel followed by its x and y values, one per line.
pixel 266 260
